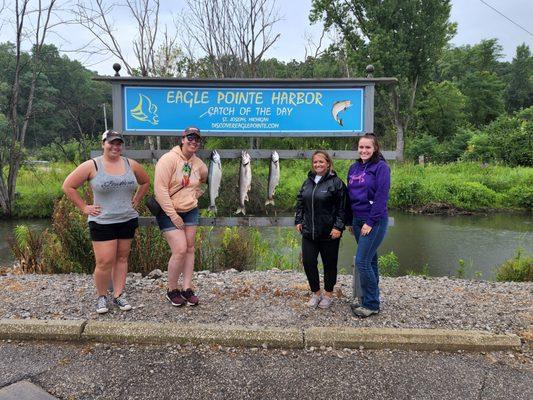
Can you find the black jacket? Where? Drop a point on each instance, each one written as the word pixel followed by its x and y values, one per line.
pixel 321 206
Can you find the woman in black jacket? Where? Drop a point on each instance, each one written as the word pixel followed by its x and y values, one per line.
pixel 319 218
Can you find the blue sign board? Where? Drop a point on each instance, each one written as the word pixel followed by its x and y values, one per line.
pixel 218 111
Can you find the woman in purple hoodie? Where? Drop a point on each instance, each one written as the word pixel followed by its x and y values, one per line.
pixel 368 191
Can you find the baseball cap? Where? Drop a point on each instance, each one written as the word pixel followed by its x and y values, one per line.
pixel 111 135
pixel 191 130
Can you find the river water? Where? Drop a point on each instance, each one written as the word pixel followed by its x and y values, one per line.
pixel 435 243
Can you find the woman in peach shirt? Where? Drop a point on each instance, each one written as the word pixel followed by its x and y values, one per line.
pixel 178 176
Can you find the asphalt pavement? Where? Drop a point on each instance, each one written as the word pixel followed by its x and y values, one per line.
pixel 88 370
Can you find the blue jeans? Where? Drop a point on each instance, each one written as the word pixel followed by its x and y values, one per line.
pixel 366 259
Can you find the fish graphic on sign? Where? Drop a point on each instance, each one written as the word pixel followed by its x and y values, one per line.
pixel 145 110
pixel 338 107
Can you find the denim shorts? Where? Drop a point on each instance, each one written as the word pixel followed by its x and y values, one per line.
pixel 190 218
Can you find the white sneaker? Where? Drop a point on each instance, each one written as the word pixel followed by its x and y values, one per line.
pixel 122 303
pixel 313 301
pixel 325 302
pixel 101 305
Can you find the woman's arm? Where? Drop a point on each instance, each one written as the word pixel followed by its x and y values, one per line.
pixel 299 216
pixel 142 179
pixel 164 170
pixel 381 196
pixel 74 180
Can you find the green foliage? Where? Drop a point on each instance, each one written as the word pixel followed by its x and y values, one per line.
pixel 425 145
pixel 517 269
pixel 423 272
pixel 149 251
pixel 470 195
pixel 406 194
pixel 73 151
pixel 522 196
pixel 484 93
pixel 440 112
pixel 519 93
pixel 388 264
pixel 507 139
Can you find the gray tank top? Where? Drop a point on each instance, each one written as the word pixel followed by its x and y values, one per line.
pixel 113 193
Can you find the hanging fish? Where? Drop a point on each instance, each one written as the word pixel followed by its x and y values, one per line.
pixel 273 177
pixel 245 181
pixel 214 178
pixel 338 107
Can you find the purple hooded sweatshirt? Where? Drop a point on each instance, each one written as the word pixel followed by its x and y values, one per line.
pixel 368 190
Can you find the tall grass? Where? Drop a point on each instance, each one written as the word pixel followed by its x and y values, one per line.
pixel 458 186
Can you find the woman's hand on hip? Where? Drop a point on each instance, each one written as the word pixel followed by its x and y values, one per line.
pixel 335 233
pixel 365 230
pixel 92 209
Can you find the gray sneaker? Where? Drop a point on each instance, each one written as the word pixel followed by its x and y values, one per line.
pixel 121 302
pixel 313 301
pixel 101 305
pixel 363 312
pixel 325 302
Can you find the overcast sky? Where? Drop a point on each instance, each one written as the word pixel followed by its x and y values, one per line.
pixel 476 21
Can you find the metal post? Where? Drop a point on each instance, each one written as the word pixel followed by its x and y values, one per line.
pixel 105 116
pixel 357 292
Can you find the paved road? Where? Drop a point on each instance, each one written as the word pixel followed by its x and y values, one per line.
pixel 101 371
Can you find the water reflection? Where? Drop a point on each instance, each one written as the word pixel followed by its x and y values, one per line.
pixel 482 241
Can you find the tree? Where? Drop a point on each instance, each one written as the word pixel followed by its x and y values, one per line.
pixel 30 25
pixel 441 110
pixel 401 38
pixel 484 97
pixel 519 92
pixel 233 35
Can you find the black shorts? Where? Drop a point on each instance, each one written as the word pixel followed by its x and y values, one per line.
pixel 121 230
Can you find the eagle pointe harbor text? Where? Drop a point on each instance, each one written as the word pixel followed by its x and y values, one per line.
pixel 239 97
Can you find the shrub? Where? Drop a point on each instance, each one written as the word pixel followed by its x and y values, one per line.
pixel 70 226
pixel 517 269
pixel 407 194
pixel 522 196
pixel 471 195
pixel 388 264
pixel 423 145
pixel 27 248
pixel 149 250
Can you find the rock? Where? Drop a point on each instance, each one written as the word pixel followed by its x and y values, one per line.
pixel 155 274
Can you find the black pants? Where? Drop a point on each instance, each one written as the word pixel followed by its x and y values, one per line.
pixel 329 252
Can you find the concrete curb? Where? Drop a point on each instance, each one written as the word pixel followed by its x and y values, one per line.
pixel 410 339
pixel 240 336
pixel 39 329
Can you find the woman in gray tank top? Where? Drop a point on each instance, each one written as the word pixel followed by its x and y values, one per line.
pixel 118 185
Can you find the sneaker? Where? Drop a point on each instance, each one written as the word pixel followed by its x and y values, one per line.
pixel 101 305
pixel 314 301
pixel 363 312
pixel 192 299
pixel 353 306
pixel 174 296
pixel 325 302
pixel 121 302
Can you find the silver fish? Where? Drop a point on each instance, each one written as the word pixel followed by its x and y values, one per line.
pixel 273 177
pixel 245 181
pixel 338 107
pixel 214 178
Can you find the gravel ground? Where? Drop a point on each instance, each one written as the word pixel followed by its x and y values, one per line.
pixel 277 298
